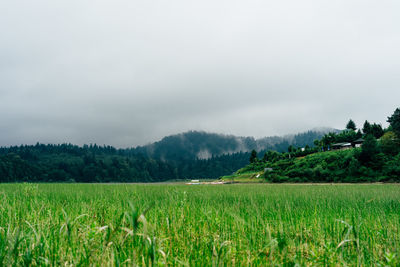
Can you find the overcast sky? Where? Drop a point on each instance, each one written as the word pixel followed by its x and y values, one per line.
pixel 127 73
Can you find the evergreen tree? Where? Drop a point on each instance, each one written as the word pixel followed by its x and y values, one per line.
pixel 389 144
pixel 328 139
pixel 351 125
pixel 394 121
pixel 367 128
pixel 265 157
pixel 369 149
pixel 359 134
pixel 253 156
pixel 377 131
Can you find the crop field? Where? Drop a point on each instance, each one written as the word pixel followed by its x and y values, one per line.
pixel 205 225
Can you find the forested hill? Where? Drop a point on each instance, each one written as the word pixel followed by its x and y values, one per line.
pixel 187 155
pixel 71 163
pixel 202 145
pixel 370 153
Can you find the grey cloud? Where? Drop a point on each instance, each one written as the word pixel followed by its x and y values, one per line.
pixel 127 73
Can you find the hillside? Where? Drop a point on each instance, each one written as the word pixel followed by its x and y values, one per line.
pixel 197 154
pixel 370 155
pixel 194 145
pixel 323 167
pixel 182 156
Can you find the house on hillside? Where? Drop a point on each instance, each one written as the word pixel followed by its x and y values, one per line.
pixel 347 145
pixel 342 146
pixel 358 142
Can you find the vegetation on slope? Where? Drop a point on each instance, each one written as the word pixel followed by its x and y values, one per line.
pixel 173 158
pixel 375 161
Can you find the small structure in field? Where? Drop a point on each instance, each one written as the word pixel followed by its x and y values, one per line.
pixel 218 182
pixel 197 182
pixel 193 182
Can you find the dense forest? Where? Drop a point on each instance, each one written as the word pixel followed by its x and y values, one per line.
pixel 183 156
pixel 376 160
pixel 70 163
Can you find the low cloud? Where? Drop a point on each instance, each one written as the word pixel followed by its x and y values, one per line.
pixel 127 73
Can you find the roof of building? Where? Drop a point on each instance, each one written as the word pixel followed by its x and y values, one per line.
pixel 342 144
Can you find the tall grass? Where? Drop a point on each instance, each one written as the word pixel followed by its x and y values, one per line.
pixel 150 225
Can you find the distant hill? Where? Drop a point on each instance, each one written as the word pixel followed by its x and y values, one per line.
pixel 198 154
pixel 199 145
pixel 183 156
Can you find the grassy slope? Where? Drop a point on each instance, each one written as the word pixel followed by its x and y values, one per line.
pixel 326 159
pixel 245 177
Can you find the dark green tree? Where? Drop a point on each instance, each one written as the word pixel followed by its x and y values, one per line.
pixel 367 128
pixel 394 121
pixel 377 131
pixel 253 156
pixel 369 149
pixel 265 157
pixel 328 139
pixel 351 125
pixel 346 136
pixel 358 134
pixel 389 144
pixel 291 149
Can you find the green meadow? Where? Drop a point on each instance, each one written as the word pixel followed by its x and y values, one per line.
pixel 202 225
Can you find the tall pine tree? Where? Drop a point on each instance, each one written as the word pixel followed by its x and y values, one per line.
pixel 394 121
pixel 351 125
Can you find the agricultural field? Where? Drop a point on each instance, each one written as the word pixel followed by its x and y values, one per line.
pixel 202 225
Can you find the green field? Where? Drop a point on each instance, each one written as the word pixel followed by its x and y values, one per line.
pixel 225 225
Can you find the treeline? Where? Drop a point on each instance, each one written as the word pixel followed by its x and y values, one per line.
pixel 378 159
pixel 93 163
pixel 71 163
pixel 184 156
